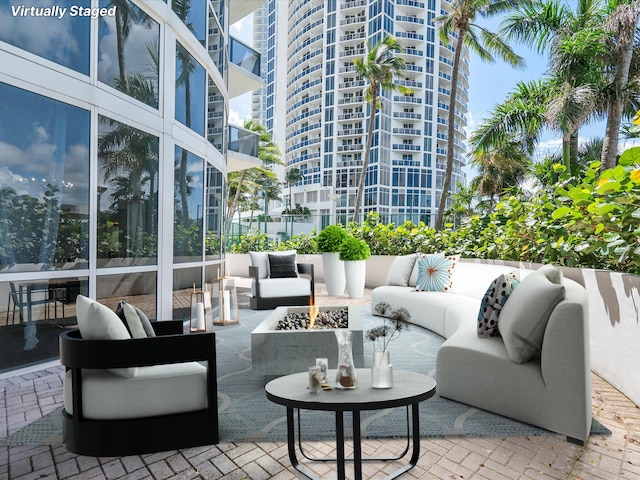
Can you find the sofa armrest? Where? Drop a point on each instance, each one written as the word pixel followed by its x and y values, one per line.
pixel 307 269
pixel 169 327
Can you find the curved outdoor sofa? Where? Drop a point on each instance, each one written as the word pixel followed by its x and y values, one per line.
pixel 552 390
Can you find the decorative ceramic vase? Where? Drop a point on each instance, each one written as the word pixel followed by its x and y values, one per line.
pixel 381 370
pixel 333 269
pixel 346 372
pixel 355 271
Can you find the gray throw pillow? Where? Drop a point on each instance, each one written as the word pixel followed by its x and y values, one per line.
pixel 135 319
pixel 524 317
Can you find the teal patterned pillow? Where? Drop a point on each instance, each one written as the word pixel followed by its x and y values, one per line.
pixel 434 273
pixel 492 302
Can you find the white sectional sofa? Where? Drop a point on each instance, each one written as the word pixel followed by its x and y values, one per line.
pixel 552 390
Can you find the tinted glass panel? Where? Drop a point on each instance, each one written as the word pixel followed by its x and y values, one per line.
pixel 44 175
pixel 138 289
pixel 38 27
pixel 185 281
pixel 215 212
pixel 127 195
pixel 190 91
pixel 193 14
pixel 36 311
pixel 128 52
pixel 189 181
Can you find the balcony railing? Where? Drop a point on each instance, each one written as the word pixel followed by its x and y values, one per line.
pixel 243 141
pixel 244 56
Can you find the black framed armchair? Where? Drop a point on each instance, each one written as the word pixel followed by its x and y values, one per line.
pixel 134 396
pixel 269 293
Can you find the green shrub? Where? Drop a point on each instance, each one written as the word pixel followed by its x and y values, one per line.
pixel 330 238
pixel 353 249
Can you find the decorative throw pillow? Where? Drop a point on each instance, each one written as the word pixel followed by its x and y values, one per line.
pixel 414 273
pixel 97 322
pixel 282 266
pixel 135 319
pixel 524 317
pixel 553 274
pixel 400 270
pixel 434 273
pixel 492 302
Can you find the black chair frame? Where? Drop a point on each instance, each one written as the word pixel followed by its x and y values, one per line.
pixel 106 438
pixel 259 303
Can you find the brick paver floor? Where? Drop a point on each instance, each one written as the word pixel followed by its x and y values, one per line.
pixel 27 395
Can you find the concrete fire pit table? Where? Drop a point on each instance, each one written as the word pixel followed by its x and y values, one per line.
pixel 280 352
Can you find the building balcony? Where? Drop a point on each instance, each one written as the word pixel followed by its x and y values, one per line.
pixel 351 116
pixel 353 4
pixel 242 151
pixel 353 20
pixel 350 148
pixel 239 10
pixel 406 99
pixel 411 35
pixel 410 19
pixel 352 37
pixel 406 146
pixel 410 3
pixel 407 131
pixel 348 100
pixel 350 131
pixel 244 68
pixel 354 84
pixel 411 115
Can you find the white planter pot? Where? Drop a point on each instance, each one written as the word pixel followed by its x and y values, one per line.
pixel 355 275
pixel 334 275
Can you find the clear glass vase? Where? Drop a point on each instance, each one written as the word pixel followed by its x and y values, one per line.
pixel 346 373
pixel 381 370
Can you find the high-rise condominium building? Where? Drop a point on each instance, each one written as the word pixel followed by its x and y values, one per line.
pixel 315 106
pixel 114 147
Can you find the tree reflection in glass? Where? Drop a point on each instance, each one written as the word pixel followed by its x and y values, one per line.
pixel 129 51
pixel 127 193
pixel 188 201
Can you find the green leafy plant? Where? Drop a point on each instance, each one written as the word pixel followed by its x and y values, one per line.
pixel 395 321
pixel 331 237
pixel 354 249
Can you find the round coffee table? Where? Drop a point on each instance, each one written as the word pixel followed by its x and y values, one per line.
pixel 409 389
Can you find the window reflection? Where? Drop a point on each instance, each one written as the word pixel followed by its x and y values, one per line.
pixel 129 51
pixel 190 90
pixel 138 289
pixel 216 117
pixel 127 195
pixel 62 40
pixel 44 174
pixel 36 312
pixel 193 14
pixel 215 219
pixel 185 281
pixel 189 194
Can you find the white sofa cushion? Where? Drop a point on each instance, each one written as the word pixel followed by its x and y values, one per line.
pixel 472 279
pixel 155 390
pixel 97 322
pixel 401 269
pixel 284 287
pixel 525 315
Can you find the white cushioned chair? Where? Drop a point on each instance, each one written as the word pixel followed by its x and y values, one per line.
pixel 278 280
pixel 129 396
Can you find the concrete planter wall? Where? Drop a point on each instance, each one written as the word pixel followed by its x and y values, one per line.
pixel 614 305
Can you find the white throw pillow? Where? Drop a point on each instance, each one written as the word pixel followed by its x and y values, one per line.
pixel 524 317
pixel 400 270
pixel 97 322
pixel 553 274
pixel 261 260
pixel 134 322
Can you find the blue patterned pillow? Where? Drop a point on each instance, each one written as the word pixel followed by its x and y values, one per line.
pixel 492 303
pixel 434 273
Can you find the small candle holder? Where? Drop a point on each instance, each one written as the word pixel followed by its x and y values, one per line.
pixel 224 304
pixel 200 319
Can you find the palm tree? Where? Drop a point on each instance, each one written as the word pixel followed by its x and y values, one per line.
pixel 459 23
pixel 269 153
pixel 622 27
pixel 292 176
pixel 379 67
pixel 574 41
pixel 499 170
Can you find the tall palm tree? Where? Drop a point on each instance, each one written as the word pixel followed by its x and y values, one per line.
pixel 622 28
pixel 459 23
pixel 292 176
pixel 379 67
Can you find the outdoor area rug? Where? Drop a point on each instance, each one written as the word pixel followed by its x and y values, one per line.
pixel 246 414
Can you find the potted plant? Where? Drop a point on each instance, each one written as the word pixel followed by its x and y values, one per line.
pixel 394 322
pixel 354 252
pixel 329 241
